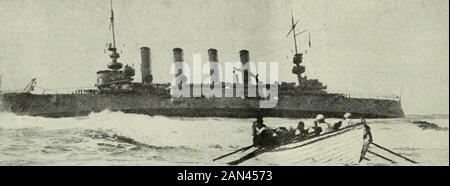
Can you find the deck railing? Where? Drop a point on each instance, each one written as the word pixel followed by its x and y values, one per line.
pixel 368 96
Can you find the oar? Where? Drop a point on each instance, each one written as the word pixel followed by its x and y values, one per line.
pixel 387 159
pixel 236 151
pixel 249 156
pixel 407 159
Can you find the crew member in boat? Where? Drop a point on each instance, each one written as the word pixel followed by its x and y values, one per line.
pixel 347 121
pixel 281 135
pixel 262 135
pixel 317 128
pixel 367 135
pixel 300 132
pixel 321 126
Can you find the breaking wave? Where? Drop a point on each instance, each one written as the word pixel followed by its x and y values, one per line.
pixel 427 125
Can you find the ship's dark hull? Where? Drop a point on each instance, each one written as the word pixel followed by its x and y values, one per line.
pixel 299 106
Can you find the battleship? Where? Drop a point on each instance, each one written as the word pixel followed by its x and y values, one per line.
pixel 116 90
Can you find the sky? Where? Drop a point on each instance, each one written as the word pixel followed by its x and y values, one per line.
pixel 373 47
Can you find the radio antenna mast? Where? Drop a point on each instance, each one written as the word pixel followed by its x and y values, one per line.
pixel 293 31
pixel 114 65
pixel 112 25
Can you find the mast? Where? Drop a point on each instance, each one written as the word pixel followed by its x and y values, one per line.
pixel 114 65
pixel 112 25
pixel 293 30
pixel 298 69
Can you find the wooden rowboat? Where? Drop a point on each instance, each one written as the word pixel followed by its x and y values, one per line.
pixel 347 146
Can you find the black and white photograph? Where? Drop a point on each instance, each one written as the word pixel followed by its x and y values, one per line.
pixel 224 83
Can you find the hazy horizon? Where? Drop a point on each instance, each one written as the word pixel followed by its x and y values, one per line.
pixel 371 47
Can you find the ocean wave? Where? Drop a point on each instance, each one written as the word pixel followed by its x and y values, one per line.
pixel 429 126
pixel 124 141
pixel 143 130
pixel 122 138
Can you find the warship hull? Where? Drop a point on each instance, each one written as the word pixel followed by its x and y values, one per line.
pixel 298 106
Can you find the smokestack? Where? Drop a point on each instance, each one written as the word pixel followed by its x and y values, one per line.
pixel 213 66
pixel 245 58
pixel 178 55
pixel 212 53
pixel 146 67
pixel 178 59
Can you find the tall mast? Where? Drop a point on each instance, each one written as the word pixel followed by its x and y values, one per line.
pixel 114 65
pixel 298 57
pixel 293 29
pixel 112 25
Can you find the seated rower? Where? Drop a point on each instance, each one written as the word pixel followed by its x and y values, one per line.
pixel 347 121
pixel 320 126
pixel 258 128
pixel 300 132
pixel 323 127
pixel 281 135
pixel 262 135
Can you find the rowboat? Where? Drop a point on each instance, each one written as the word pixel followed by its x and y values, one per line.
pixel 348 146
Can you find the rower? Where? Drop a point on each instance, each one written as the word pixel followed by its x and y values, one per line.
pixel 300 132
pixel 317 129
pixel 258 126
pixel 324 127
pixel 347 121
pixel 281 135
pixel 262 136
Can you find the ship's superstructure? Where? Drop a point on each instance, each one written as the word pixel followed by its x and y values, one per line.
pixel 115 79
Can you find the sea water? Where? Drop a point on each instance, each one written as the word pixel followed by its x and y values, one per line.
pixel 116 138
